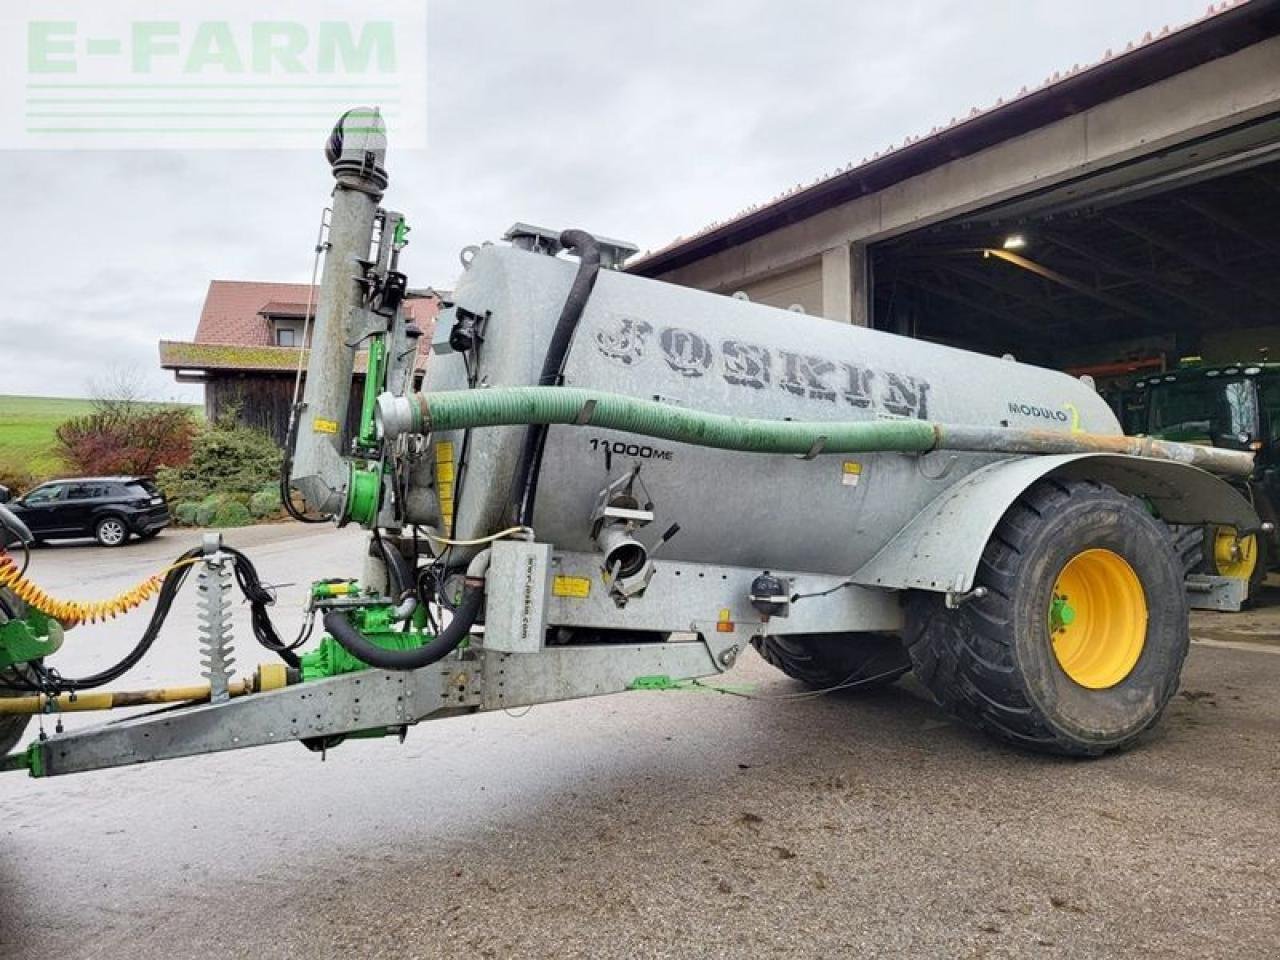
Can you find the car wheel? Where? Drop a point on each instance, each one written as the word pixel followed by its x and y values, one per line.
pixel 111 532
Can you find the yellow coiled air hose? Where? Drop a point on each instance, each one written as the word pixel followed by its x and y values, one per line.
pixel 72 612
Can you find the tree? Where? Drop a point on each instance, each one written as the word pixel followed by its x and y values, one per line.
pixel 125 434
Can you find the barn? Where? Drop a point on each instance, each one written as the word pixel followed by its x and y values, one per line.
pixel 248 346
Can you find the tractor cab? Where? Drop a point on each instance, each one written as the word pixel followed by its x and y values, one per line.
pixel 1235 406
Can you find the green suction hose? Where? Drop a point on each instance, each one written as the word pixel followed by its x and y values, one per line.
pixel 512 406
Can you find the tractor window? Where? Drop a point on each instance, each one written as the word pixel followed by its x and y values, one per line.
pixel 1269 394
pixel 1133 413
pixel 1204 410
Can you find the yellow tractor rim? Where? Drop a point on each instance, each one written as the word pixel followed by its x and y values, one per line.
pixel 1098 618
pixel 1234 556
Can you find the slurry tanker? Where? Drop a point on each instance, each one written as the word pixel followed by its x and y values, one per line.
pixel 598 482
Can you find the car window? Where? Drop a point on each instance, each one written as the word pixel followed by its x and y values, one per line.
pixel 148 487
pixel 46 494
pixel 83 491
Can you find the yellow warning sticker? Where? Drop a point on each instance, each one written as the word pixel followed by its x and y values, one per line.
pixel 444 483
pixel 577 587
pixel 320 425
pixel 850 473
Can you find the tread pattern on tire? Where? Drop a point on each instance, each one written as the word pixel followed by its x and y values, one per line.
pixel 1189 544
pixel 965 662
pixel 826 660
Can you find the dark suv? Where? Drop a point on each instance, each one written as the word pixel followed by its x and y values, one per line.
pixel 105 508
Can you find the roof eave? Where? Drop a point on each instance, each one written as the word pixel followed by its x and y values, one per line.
pixel 1208 39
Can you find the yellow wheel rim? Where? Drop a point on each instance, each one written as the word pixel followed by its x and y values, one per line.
pixel 1097 618
pixel 1234 556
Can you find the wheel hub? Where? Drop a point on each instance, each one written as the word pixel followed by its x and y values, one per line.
pixel 1097 618
pixel 1234 556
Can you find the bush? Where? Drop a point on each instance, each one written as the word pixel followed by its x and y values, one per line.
pixel 185 513
pixel 265 503
pixel 206 509
pixel 228 459
pixel 232 513
pixel 127 439
pixel 17 481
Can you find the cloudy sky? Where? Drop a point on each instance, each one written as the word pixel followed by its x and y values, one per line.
pixel 640 121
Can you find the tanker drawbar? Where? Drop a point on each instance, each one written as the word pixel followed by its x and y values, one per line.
pixel 586 482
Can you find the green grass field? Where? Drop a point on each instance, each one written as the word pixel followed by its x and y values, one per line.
pixel 27 426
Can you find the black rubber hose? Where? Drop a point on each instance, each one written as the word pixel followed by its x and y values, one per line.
pixel 525 488
pixel 173 581
pixel 259 598
pixel 445 642
pixel 401 577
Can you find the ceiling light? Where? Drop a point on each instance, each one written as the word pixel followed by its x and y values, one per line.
pixel 1015 241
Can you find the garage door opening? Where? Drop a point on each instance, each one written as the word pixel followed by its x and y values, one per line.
pixel 1120 276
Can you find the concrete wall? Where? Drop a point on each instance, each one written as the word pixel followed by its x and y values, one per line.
pixel 1200 102
pixel 801 285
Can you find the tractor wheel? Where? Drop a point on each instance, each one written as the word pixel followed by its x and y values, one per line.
pixel 11 728
pixel 1241 558
pixel 824 660
pixel 1079 642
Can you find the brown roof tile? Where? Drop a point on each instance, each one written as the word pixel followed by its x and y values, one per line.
pixel 235 311
pixel 235 334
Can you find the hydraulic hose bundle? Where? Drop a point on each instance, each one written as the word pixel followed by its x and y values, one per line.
pixel 72 612
pixel 164 586
pixel 45 680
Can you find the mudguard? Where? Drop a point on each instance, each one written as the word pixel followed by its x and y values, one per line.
pixel 941 546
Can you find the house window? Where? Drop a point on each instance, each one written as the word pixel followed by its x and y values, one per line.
pixel 286 337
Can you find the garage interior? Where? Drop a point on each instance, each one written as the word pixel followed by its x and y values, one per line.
pixel 1118 274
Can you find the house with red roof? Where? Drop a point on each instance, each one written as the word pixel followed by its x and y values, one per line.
pixel 249 344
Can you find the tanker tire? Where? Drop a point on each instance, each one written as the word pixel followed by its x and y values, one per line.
pixel 991 664
pixel 822 660
pixel 1188 544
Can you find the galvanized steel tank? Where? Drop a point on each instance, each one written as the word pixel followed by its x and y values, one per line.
pixel 659 341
